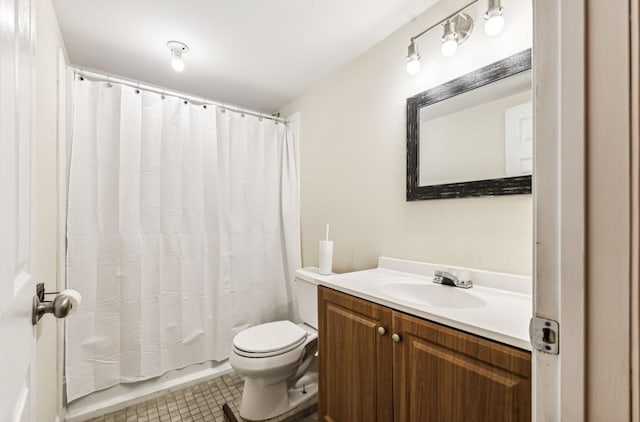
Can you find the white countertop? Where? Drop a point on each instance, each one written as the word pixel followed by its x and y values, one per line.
pixel 504 315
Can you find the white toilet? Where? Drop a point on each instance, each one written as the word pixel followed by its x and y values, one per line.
pixel 278 359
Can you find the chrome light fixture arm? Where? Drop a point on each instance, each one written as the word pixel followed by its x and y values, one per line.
pixel 457 28
pixel 454 14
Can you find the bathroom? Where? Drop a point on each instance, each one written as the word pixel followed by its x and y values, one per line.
pixel 142 117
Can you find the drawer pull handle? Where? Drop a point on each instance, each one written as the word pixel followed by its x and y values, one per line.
pixel 382 331
pixel 396 338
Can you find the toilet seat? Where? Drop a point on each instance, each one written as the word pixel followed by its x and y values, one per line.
pixel 270 339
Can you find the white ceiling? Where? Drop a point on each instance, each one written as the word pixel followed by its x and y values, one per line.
pixel 258 54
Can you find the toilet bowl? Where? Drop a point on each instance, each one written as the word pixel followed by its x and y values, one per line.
pixel 273 358
pixel 278 360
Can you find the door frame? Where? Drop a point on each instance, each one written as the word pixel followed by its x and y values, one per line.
pixel 62 118
pixel 586 205
pixel 609 211
pixel 635 210
pixel 565 288
pixel 559 290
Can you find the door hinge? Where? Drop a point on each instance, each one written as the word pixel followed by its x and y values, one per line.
pixel 545 335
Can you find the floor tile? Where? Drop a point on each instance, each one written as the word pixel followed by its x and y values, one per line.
pixel 200 403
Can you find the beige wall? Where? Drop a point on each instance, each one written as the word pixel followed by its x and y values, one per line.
pixel 49 40
pixel 353 163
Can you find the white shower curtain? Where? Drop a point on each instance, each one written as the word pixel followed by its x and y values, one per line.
pixel 182 229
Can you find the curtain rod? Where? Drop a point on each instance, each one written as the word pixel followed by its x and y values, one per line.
pixel 95 76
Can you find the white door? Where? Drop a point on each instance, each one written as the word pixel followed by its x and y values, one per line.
pixel 17 334
pixel 518 139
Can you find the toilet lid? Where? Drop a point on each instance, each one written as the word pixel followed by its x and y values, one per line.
pixel 269 337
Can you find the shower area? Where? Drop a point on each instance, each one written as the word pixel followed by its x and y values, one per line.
pixel 182 229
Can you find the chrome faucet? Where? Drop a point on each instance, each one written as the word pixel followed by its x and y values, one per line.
pixel 446 278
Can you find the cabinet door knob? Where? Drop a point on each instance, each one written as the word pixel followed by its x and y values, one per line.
pixel 382 331
pixel 396 338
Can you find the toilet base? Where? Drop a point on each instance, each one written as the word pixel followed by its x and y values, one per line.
pixel 260 402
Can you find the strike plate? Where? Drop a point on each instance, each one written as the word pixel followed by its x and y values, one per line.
pixel 545 335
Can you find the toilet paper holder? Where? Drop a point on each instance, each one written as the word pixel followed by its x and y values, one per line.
pixel 60 306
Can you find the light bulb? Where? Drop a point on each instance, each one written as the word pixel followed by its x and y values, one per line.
pixel 449 45
pixel 413 58
pixel 494 22
pixel 177 63
pixel 413 66
pixel 177 49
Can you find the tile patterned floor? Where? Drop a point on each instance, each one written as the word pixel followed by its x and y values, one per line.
pixel 200 403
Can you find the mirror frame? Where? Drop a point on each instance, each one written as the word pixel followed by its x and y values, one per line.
pixel 512 65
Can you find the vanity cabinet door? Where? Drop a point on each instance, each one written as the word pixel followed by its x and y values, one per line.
pixel 441 374
pixel 356 359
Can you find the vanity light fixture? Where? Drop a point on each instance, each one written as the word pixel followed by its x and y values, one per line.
pixel 494 21
pixel 449 40
pixel 456 31
pixel 177 49
pixel 457 28
pixel 413 58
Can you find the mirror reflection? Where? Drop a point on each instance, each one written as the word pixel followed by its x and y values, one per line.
pixel 485 133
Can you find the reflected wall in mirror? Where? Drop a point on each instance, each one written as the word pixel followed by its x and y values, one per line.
pixel 473 136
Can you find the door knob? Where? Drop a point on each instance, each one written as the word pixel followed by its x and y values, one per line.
pixel 64 304
pixel 382 331
pixel 396 338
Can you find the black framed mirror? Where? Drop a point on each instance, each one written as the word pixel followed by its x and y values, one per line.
pixel 473 136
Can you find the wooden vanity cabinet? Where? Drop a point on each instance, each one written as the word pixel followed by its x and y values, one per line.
pixel 356 377
pixel 442 374
pixel 431 374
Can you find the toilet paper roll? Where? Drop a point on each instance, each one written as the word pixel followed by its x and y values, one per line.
pixel 325 261
pixel 75 297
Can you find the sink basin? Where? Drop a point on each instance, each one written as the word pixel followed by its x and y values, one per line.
pixel 427 293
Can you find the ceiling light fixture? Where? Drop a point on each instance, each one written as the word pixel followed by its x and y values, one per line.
pixel 177 49
pixel 494 21
pixel 457 28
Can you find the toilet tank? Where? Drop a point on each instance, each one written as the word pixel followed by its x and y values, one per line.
pixel 307 295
